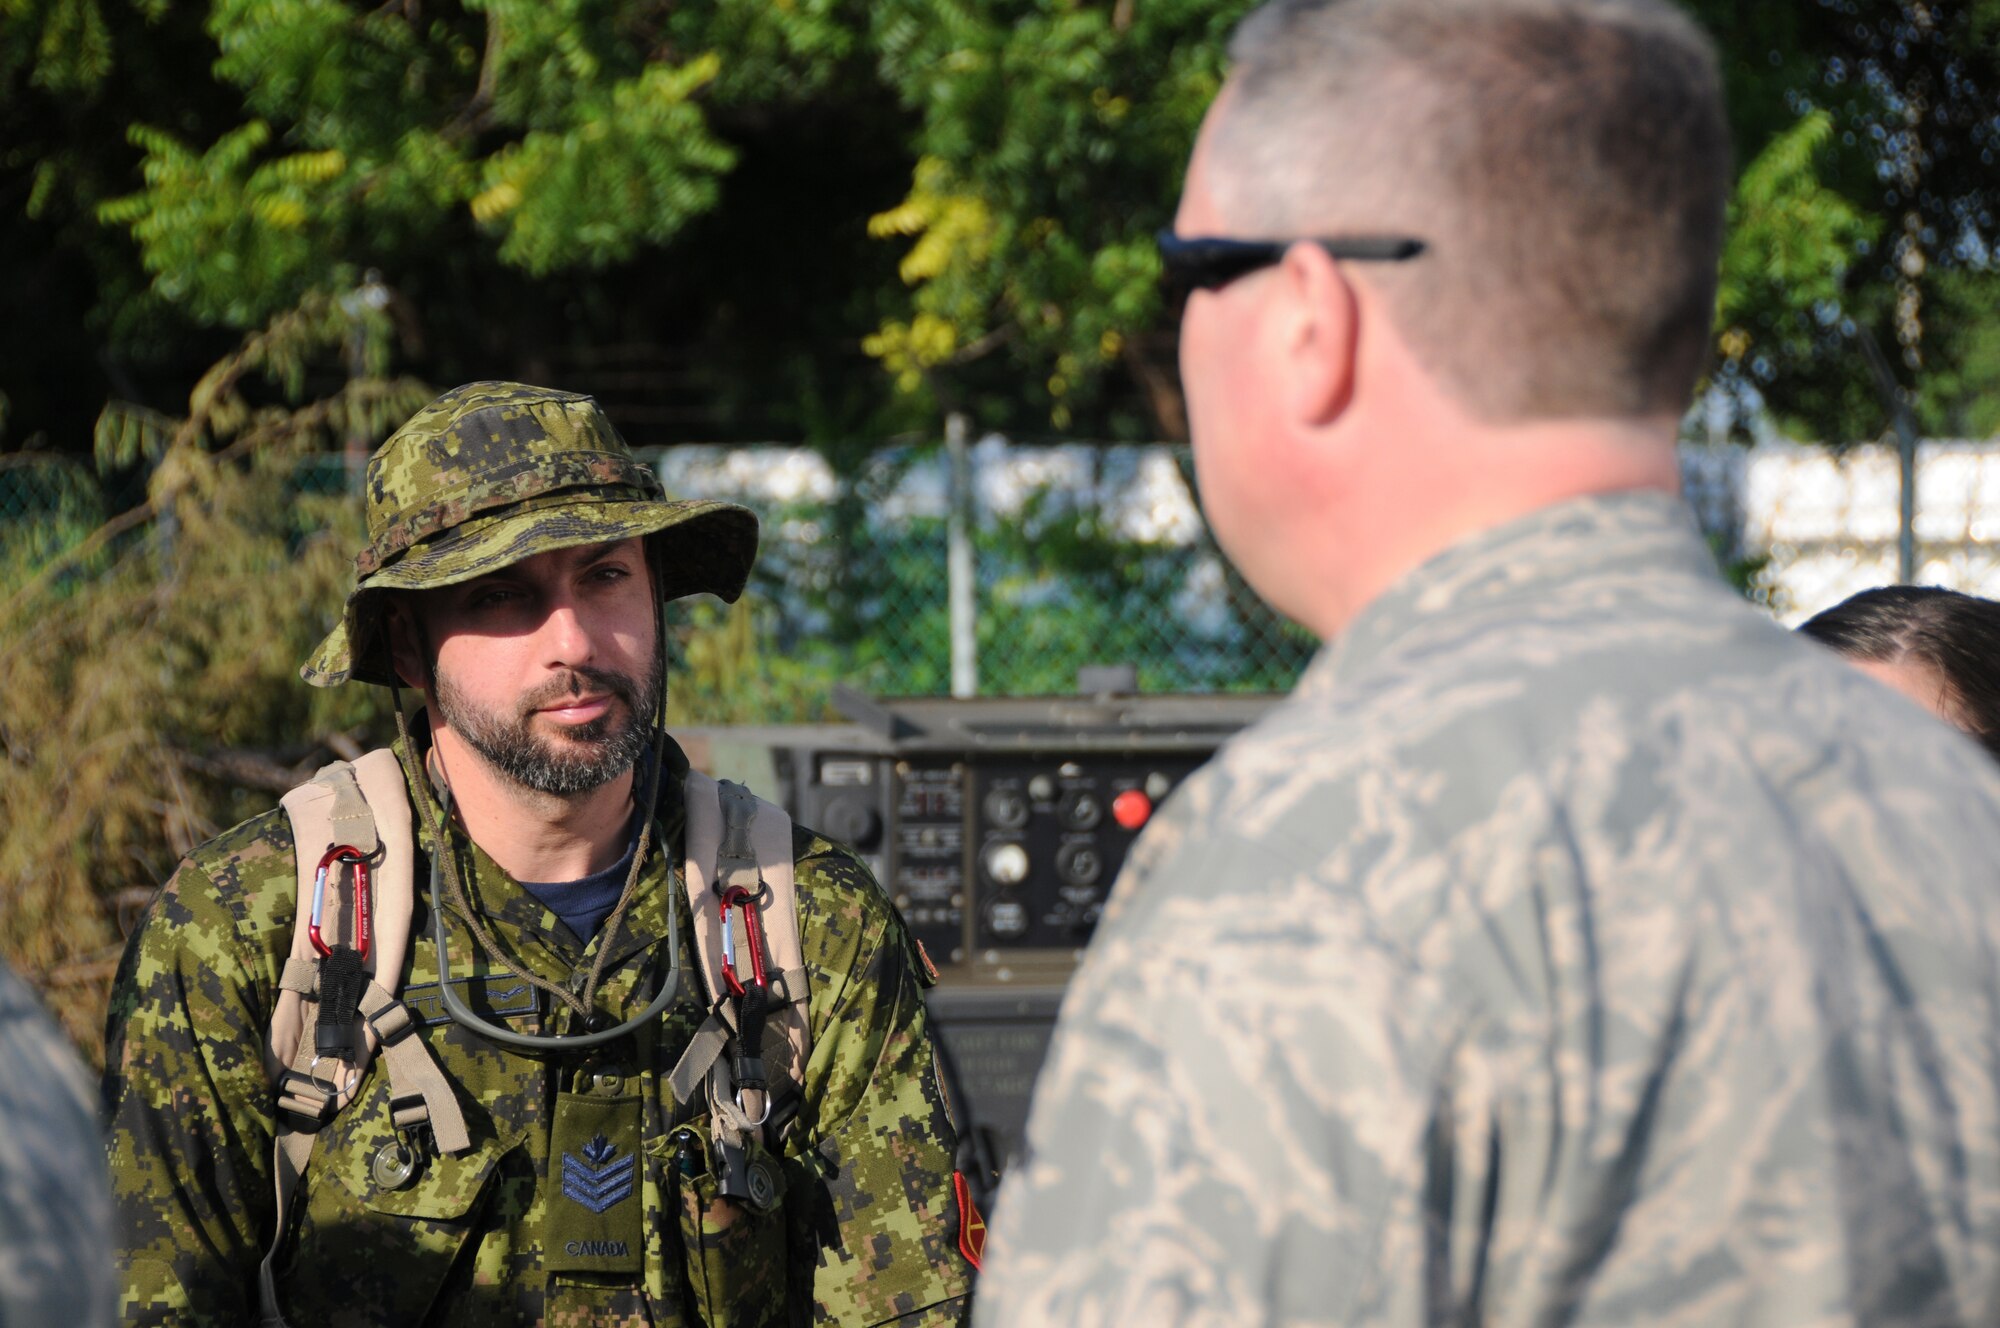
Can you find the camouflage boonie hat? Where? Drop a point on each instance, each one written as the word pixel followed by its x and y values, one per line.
pixel 491 473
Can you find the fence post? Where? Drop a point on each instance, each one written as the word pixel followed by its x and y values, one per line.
pixel 1897 402
pixel 959 572
pixel 364 302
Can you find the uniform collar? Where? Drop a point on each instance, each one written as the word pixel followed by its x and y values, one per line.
pixel 1613 544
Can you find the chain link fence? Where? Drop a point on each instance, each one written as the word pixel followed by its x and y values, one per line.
pixel 1083 556
pixel 1089 555
pixel 48 503
pixel 48 500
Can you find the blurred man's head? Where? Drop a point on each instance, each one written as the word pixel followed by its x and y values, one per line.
pixel 1564 164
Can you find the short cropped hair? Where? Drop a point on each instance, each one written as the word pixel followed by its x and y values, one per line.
pixel 1957 636
pixel 1566 161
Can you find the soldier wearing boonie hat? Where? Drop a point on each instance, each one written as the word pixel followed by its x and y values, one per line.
pixel 492 473
pixel 566 1164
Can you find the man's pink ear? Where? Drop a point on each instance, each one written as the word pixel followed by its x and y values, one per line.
pixel 1321 336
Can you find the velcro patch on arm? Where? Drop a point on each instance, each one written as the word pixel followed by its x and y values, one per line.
pixel 971 1226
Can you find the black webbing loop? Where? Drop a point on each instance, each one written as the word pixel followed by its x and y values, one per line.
pixel 752 1011
pixel 341 982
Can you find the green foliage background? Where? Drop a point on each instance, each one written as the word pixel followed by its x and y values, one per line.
pixel 149 692
pixel 1868 136
pixel 854 215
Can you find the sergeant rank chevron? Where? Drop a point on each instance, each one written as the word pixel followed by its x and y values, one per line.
pixel 594 1180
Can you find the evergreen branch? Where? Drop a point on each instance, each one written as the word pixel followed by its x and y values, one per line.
pixel 271 771
pixel 304 420
pixel 85 969
pixel 214 400
pixel 104 534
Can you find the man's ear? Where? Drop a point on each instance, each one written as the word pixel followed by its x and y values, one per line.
pixel 408 653
pixel 1321 335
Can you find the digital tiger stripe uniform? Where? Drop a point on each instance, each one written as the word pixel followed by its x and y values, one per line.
pixel 1574 947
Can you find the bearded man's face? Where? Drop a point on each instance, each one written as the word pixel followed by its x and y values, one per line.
pixel 567 760
pixel 545 668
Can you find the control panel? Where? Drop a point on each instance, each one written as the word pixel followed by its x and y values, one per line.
pixel 998 827
pixel 987 856
pixel 1049 837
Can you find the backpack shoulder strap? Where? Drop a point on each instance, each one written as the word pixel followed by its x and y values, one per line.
pixel 365 805
pixel 734 838
pixel 380 777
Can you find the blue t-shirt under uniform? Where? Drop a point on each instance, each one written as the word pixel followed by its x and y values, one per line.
pixel 584 904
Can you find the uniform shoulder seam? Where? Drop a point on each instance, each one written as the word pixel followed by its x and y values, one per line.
pixel 221 862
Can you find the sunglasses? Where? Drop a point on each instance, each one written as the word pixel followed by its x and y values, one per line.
pixel 1192 263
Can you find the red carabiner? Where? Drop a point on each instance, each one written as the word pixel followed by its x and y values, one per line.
pixel 753 931
pixel 349 854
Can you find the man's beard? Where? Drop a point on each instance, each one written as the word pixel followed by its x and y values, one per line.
pixel 586 756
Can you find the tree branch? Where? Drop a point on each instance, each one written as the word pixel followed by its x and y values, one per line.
pixel 274 772
pixel 477 114
pixel 982 346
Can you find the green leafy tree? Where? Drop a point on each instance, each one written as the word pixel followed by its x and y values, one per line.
pixel 569 145
pixel 1865 208
pixel 1054 135
pixel 536 179
pixel 533 181
pixel 73 74
pixel 1053 141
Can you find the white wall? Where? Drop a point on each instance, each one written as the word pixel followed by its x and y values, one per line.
pixel 1826 520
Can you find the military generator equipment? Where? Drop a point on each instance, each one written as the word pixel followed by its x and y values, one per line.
pixel 998 826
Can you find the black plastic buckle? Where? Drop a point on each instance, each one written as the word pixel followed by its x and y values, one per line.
pixel 732 1171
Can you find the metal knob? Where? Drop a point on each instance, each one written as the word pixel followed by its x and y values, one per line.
pixel 1006 862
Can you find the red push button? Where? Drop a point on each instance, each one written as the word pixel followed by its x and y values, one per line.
pixel 1131 809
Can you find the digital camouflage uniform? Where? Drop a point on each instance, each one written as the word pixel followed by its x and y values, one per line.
pixel 55 1209
pixel 1574 947
pixel 866 1228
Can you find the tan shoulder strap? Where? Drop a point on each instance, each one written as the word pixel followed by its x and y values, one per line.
pixel 736 838
pixel 380 776
pixel 366 805
pixel 363 804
